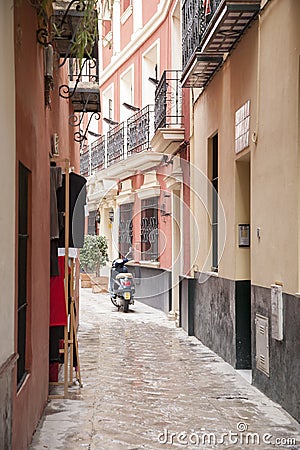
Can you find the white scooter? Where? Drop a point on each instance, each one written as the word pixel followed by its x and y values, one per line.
pixel 121 286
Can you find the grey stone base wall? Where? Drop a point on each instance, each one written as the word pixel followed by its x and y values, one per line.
pixel 282 384
pixel 6 401
pixel 218 312
pixel 214 316
pixel 153 286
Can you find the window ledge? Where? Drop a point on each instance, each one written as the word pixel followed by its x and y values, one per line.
pixel 144 264
pixel 205 275
pixel 212 274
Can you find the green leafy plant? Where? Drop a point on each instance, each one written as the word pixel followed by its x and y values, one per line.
pixel 87 33
pixel 94 254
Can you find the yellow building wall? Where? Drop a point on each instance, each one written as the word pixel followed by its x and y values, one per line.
pixel 214 112
pixel 263 68
pixel 275 160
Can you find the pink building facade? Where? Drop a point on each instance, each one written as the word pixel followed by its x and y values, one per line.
pixel 137 180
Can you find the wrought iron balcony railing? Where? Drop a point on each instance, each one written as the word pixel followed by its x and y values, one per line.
pixel 192 28
pixel 98 154
pixel 123 140
pixel 85 162
pixel 83 88
pixel 210 29
pixel 115 144
pixel 140 131
pixel 168 101
pixel 86 71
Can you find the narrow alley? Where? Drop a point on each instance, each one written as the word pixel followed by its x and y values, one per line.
pixel 147 385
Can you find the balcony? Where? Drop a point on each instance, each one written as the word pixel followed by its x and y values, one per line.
pixel 85 162
pixel 83 89
pixel 168 122
pixel 126 149
pixel 69 19
pixel 98 154
pixel 139 131
pixel 74 36
pixel 115 144
pixel 211 29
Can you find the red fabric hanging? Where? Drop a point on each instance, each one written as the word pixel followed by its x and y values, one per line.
pixel 58 314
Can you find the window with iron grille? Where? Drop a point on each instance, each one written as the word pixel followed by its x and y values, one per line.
pixel 149 229
pixel 125 228
pixel 110 108
pixel 22 271
pixel 92 225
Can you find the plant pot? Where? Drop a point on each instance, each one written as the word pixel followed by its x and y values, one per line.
pixel 86 281
pixel 99 285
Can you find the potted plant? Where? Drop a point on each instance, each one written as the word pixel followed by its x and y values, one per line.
pixel 93 256
pixel 79 15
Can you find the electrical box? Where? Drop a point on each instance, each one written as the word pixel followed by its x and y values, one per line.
pixel 277 312
pixel 262 343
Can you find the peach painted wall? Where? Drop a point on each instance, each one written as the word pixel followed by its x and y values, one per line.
pixel 162 35
pixel 106 55
pixel 165 222
pixel 136 59
pixel 165 240
pixel 126 31
pixel 149 9
pixel 137 181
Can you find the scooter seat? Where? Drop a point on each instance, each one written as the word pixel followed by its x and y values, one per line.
pixel 124 275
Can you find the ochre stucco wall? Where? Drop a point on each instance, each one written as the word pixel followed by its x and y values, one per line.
pixel 274 160
pixel 214 112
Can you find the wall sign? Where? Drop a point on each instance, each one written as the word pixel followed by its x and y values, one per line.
pixel 242 127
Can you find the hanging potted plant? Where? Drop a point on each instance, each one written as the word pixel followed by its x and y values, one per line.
pixel 74 28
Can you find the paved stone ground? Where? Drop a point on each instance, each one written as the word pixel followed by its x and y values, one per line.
pixel 144 379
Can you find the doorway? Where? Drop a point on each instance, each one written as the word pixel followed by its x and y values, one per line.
pixel 243 264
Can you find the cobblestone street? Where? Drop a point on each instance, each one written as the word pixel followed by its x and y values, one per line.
pixel 147 385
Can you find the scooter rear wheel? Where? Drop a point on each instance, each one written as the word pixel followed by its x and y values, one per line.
pixel 126 307
pixel 114 302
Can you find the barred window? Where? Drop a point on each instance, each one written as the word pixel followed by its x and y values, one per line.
pixel 125 228
pixel 149 229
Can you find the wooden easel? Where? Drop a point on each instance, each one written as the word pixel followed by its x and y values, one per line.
pixel 70 333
